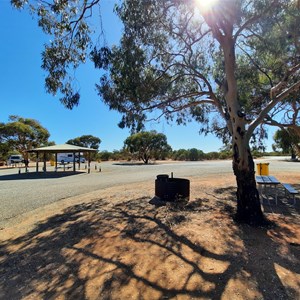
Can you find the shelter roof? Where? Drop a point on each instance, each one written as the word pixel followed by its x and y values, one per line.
pixel 62 148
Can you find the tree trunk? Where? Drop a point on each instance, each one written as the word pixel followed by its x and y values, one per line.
pixel 145 158
pixel 248 202
pixel 293 154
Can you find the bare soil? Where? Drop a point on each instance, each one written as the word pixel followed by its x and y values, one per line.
pixel 114 244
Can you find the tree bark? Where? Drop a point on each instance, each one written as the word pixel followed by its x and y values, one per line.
pixel 145 158
pixel 248 202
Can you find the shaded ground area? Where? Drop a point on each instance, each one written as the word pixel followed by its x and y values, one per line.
pixel 38 175
pixel 118 246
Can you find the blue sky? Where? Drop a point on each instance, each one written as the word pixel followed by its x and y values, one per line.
pixel 22 89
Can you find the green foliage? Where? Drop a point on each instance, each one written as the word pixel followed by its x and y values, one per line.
pixel 104 155
pixel 193 154
pixel 188 155
pixel 21 134
pixel 4 150
pixel 146 145
pixel 225 155
pixel 286 140
pixel 257 153
pixel 134 86
pixel 231 68
pixel 212 155
pixel 180 154
pixel 122 154
pixel 170 59
pixel 282 141
pixel 88 141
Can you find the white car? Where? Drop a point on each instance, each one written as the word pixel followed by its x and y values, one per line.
pixel 15 159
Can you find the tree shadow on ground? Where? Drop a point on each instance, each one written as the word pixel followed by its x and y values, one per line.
pixel 40 175
pixel 285 203
pixel 134 250
pixel 134 164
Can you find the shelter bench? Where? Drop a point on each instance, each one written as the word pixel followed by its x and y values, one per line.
pixel 288 188
pixel 63 166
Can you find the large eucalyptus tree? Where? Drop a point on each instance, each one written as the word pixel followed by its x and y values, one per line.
pixel 231 65
pixel 22 134
pixel 87 140
pixel 146 145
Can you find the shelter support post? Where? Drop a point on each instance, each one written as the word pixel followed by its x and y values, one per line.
pixel 37 162
pixel 74 162
pixel 44 169
pixel 55 161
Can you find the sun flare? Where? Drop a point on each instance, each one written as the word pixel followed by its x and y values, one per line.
pixel 206 4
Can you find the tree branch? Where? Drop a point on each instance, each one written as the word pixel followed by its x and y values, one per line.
pixel 256 65
pixel 168 102
pixel 283 82
pixel 253 19
pixel 271 105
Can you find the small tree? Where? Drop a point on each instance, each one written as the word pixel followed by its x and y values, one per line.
pixel 104 155
pixel 88 141
pixel 287 141
pixel 193 154
pixel 147 144
pixel 22 134
pixel 4 150
pixel 180 154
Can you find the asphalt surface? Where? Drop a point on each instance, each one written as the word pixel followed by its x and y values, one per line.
pixel 24 192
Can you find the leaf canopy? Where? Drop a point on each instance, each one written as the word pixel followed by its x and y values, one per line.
pixel 88 141
pixel 22 134
pixel 171 58
pixel 147 144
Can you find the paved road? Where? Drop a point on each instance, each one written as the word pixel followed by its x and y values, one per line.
pixel 20 193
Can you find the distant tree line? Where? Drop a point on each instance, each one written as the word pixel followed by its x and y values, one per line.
pixel 21 134
pixel 192 154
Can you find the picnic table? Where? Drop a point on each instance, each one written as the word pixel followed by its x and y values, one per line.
pixel 267 182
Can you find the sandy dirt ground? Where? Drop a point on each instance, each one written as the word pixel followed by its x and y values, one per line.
pixel 114 244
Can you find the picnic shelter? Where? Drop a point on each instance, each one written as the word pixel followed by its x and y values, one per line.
pixel 63 148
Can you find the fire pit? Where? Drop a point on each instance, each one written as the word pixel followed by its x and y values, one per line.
pixel 170 189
